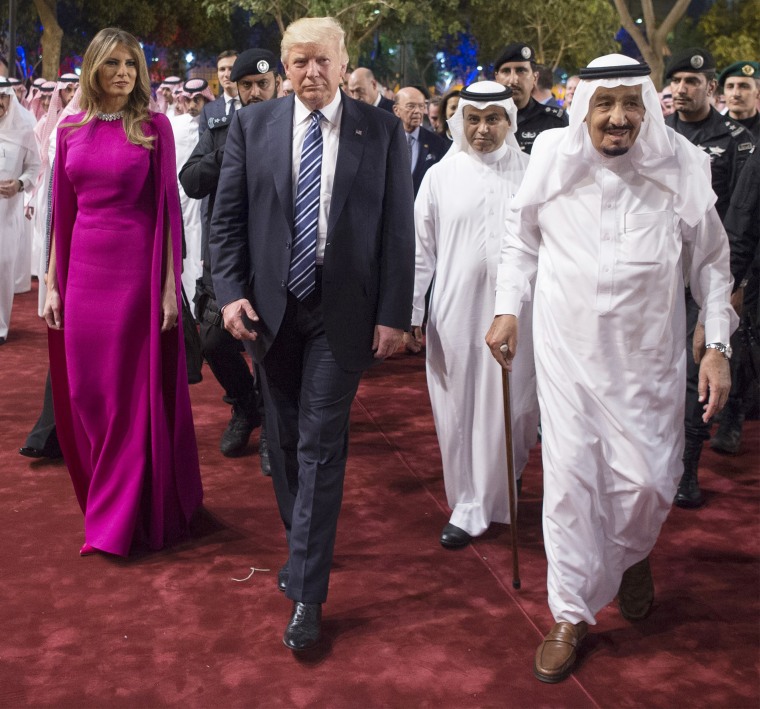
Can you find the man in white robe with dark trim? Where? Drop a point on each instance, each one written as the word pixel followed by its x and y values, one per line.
pixel 615 213
pixel 459 217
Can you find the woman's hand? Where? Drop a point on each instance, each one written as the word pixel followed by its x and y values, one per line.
pixel 53 310
pixel 169 310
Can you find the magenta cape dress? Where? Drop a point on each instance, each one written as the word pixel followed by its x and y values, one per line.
pixel 120 392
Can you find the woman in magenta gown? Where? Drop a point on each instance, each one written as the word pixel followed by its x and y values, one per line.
pixel 117 360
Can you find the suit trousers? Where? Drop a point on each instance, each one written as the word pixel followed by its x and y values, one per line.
pixel 308 404
pixel 43 435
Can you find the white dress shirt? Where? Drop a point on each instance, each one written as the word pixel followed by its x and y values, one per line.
pixel 330 125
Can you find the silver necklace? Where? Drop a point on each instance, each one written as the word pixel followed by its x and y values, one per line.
pixel 110 116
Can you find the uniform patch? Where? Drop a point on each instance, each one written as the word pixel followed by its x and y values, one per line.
pixel 263 66
pixel 525 52
pixel 748 70
pixel 745 146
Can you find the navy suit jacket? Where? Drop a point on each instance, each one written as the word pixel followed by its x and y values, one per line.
pixel 213 109
pixel 432 149
pixel 386 104
pixel 368 269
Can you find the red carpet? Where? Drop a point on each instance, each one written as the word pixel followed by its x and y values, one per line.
pixel 408 624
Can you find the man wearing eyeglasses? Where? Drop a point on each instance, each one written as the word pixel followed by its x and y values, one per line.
pixel 425 147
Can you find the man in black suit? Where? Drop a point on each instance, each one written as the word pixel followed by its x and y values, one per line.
pixel 228 100
pixel 363 87
pixel 425 147
pixel 312 250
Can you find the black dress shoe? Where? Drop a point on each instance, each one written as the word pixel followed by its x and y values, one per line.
pixel 305 627
pixel 452 537
pixel 282 577
pixel 49 451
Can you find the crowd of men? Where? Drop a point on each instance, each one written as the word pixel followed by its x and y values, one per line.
pixel 305 195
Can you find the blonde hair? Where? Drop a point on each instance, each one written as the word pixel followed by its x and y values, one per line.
pixel 313 30
pixel 136 111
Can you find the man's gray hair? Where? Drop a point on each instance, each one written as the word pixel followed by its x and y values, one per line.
pixel 313 30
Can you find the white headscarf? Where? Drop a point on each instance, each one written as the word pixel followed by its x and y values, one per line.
pixel 560 156
pixel 15 126
pixel 456 122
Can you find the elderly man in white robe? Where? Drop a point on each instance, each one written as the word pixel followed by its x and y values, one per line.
pixel 19 165
pixel 615 213
pixel 459 218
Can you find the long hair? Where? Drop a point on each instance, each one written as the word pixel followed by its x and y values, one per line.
pixel 136 111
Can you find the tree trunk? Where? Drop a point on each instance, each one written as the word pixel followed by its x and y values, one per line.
pixel 52 34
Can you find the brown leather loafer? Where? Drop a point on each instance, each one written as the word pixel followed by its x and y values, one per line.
pixel 556 655
pixel 636 593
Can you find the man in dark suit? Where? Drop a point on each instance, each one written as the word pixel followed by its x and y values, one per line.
pixel 312 250
pixel 362 86
pixel 425 147
pixel 228 100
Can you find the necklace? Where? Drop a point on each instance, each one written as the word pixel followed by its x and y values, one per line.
pixel 110 116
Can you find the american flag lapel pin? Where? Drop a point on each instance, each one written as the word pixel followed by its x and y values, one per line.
pixel 358 132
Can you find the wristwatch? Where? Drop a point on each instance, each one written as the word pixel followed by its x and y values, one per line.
pixel 20 185
pixel 725 350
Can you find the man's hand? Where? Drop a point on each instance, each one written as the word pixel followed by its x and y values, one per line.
pixel 715 376
pixel 8 188
pixel 503 331
pixel 386 341
pixel 413 340
pixel 29 212
pixel 233 319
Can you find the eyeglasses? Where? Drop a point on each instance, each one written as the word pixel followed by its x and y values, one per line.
pixel 412 106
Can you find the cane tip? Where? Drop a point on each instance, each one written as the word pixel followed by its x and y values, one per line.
pixel 516 583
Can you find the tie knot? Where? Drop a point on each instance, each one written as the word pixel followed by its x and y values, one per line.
pixel 316 117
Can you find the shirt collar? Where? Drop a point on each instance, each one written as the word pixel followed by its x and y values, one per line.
pixel 415 133
pixel 330 111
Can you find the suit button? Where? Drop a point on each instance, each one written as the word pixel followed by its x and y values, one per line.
pixel 283 284
pixel 287 244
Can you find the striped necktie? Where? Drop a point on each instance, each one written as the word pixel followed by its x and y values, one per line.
pixel 303 257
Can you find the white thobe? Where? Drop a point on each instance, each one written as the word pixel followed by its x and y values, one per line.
pixel 459 221
pixel 186 135
pixel 16 163
pixel 609 326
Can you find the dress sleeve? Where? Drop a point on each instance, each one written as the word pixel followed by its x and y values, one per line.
pixel 63 208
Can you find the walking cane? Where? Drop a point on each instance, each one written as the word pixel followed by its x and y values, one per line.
pixel 510 473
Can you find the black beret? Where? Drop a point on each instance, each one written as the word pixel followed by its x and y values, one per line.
pixel 694 60
pixel 515 52
pixel 253 61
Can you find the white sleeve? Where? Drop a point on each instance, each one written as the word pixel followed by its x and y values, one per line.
pixel 519 260
pixel 425 227
pixel 708 259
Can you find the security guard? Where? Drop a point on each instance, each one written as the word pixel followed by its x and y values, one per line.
pixel 691 73
pixel 516 68
pixel 740 82
pixel 692 82
pixel 255 72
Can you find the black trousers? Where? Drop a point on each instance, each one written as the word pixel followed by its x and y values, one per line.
pixel 308 402
pixel 43 435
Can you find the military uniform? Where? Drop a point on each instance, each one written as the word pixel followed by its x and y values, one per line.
pixel 199 177
pixel 536 118
pixel 728 145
